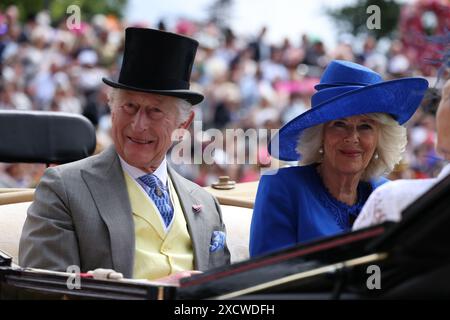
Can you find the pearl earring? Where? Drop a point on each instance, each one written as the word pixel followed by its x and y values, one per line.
pixel 376 156
pixel 321 150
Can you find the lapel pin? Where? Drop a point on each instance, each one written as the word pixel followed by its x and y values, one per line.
pixel 197 208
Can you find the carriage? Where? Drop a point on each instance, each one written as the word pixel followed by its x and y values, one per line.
pixel 410 259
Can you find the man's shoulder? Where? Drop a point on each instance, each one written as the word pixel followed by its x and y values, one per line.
pixel 89 163
pixel 77 165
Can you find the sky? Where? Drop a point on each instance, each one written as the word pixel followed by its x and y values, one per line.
pixel 284 18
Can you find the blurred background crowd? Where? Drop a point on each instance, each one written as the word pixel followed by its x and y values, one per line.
pixel 248 81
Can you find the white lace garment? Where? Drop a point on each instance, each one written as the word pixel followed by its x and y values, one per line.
pixel 388 201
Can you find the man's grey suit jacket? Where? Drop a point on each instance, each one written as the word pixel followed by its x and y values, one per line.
pixel 81 215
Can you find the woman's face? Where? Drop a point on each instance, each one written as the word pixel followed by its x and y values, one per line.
pixel 349 144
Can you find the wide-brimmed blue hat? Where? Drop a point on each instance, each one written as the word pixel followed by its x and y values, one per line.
pixel 347 89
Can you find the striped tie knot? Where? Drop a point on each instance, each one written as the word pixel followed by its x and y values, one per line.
pixel 160 196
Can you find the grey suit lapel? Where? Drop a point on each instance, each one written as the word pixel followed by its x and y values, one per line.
pixel 107 185
pixel 199 237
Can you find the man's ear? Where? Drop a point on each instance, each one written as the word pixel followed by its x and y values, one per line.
pixel 186 124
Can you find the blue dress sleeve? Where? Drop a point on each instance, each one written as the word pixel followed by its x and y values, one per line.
pixel 274 222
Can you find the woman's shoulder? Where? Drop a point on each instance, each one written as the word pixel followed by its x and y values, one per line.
pixel 289 172
pixel 377 182
pixel 289 179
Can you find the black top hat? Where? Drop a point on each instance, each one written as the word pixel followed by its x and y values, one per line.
pixel 157 62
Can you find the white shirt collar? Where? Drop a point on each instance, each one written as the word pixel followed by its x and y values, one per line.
pixel 135 173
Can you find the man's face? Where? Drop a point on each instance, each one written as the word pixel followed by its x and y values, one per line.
pixel 142 126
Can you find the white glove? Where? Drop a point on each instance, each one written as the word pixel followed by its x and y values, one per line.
pixel 174 279
pixel 106 274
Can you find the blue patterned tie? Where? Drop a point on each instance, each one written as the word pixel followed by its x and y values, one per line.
pixel 160 196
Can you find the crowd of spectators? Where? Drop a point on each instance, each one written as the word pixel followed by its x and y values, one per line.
pixel 248 82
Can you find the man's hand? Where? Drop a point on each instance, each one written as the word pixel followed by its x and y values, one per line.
pixel 110 274
pixel 105 274
pixel 174 279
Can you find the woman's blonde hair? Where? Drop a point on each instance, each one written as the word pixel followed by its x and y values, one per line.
pixel 392 141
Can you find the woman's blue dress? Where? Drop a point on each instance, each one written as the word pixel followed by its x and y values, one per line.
pixel 294 206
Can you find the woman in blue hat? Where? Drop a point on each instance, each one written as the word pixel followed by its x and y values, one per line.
pixel 345 143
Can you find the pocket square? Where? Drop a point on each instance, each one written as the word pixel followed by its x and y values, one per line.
pixel 217 241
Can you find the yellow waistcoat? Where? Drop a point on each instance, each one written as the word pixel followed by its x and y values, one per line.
pixel 158 253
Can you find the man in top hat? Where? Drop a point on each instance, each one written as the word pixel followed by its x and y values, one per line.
pixel 126 209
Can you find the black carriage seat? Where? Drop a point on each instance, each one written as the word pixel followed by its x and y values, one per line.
pixel 45 137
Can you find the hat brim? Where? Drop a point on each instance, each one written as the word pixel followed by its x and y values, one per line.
pixel 400 98
pixel 188 95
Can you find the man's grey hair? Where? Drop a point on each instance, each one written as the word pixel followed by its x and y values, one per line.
pixel 184 107
pixel 392 139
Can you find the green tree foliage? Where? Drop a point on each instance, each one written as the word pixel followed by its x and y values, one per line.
pixel 58 8
pixel 353 18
